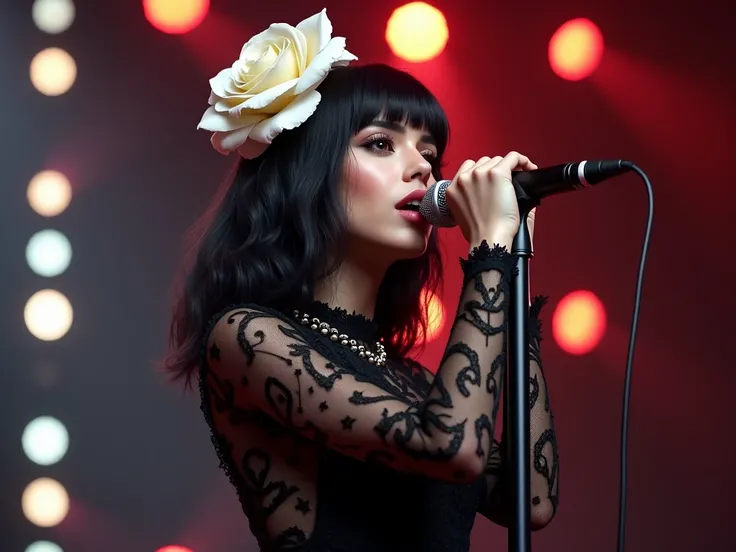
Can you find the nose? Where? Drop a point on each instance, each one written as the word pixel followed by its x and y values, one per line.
pixel 417 168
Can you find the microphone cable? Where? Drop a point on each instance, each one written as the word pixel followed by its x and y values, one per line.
pixel 630 360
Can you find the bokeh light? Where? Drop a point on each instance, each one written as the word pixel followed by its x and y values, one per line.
pixel 435 314
pixel 45 502
pixel 44 546
pixel 53 71
pixel 45 440
pixel 579 322
pixel 48 253
pixel 174 548
pixel 576 49
pixel 48 315
pixel 49 193
pixel 53 16
pixel 417 32
pixel 175 16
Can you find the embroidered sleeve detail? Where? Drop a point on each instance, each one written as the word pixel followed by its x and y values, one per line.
pixel 261 363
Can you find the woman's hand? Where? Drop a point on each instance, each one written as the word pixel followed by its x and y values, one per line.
pixel 482 199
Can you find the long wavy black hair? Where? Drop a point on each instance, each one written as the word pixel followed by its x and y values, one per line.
pixel 274 232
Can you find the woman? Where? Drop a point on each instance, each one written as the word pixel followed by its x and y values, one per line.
pixel 304 302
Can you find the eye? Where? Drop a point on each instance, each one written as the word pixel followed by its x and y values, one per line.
pixel 433 159
pixel 380 142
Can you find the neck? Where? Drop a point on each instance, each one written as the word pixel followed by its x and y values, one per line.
pixel 354 287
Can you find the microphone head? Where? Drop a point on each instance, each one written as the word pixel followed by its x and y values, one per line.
pixel 434 206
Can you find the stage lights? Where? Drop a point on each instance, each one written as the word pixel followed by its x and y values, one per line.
pixel 579 322
pixel 417 32
pixel 576 49
pixel 175 16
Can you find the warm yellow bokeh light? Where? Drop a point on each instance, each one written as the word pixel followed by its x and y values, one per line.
pixel 49 193
pixel 435 314
pixel 53 71
pixel 579 322
pixel 48 315
pixel 176 16
pixel 45 502
pixel 417 32
pixel 575 49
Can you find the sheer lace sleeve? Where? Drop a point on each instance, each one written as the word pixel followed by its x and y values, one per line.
pixel 543 444
pixel 262 361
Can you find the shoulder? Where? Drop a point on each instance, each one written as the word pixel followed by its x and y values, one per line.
pixel 237 314
pixel 240 327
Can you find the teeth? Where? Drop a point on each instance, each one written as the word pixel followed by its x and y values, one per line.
pixel 415 202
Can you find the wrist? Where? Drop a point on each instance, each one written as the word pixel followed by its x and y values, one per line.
pixel 504 239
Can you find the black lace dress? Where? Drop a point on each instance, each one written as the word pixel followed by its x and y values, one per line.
pixel 329 452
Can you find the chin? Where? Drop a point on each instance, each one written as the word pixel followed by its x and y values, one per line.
pixel 410 249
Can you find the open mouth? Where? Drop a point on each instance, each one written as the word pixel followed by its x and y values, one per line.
pixel 412 206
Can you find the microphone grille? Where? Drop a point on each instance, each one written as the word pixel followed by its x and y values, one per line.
pixel 434 206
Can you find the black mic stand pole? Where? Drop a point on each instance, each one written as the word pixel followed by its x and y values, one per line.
pixel 516 410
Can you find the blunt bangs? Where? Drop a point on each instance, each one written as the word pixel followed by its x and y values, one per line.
pixel 381 92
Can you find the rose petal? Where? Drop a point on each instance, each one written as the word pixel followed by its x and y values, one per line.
pixel 224 105
pixel 221 122
pixel 266 97
pixel 225 142
pixel 321 64
pixel 276 32
pixel 290 117
pixel 283 68
pixel 252 149
pixel 220 83
pixel 317 30
pixel 345 59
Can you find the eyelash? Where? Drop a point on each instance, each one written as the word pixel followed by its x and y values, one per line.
pixel 377 138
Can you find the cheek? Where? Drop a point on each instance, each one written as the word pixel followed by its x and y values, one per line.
pixel 369 192
pixel 369 181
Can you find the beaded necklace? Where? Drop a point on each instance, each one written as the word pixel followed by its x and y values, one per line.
pixel 378 358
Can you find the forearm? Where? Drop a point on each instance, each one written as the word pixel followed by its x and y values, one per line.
pixel 543 444
pixel 463 402
pixel 544 465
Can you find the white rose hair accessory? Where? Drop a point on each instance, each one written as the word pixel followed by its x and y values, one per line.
pixel 271 87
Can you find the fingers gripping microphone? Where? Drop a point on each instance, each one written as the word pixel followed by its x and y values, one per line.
pixel 536 185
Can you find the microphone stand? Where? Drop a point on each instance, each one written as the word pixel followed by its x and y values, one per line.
pixel 516 410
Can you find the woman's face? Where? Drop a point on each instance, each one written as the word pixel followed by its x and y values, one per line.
pixel 387 161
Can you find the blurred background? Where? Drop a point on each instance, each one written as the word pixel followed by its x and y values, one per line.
pixel 103 172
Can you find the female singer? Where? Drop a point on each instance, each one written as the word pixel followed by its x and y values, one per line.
pixel 303 304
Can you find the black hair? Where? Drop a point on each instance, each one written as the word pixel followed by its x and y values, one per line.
pixel 274 232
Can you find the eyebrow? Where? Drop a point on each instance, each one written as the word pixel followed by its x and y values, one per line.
pixel 396 127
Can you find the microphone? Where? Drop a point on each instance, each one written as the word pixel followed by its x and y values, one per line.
pixel 532 185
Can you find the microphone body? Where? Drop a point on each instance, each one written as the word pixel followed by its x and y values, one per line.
pixel 532 185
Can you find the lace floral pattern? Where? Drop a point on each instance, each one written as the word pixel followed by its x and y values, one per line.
pixel 317 442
